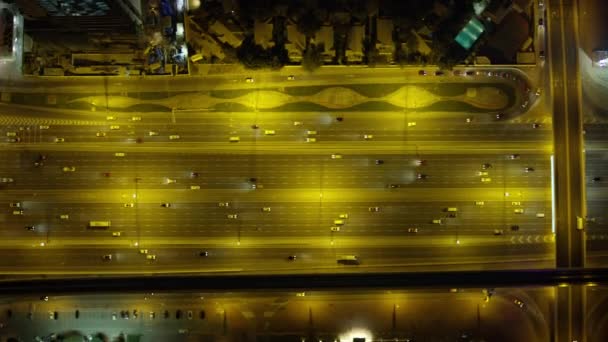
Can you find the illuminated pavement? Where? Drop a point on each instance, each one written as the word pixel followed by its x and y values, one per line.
pixel 290 316
pixel 304 187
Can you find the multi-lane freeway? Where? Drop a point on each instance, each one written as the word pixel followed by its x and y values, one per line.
pixel 308 183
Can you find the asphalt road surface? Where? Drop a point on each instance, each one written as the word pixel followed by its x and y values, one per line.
pixel 273 190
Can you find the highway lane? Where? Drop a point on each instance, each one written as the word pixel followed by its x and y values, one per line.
pixel 277 171
pixel 239 259
pixel 428 126
pixel 289 219
pixel 321 77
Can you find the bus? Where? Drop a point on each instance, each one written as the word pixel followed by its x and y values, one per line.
pixel 99 224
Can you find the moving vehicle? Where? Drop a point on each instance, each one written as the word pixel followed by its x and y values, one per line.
pixel 498 232
pixel 174 137
pixel 64 216
pixel 100 134
pixel 116 234
pixel 165 205
pixel 266 209
pixel 373 209
pixel 69 168
pixel 368 136
pixel 269 132
pixel 311 140
pixel 114 127
pixel 235 139
pixel 348 260
pixel 339 222
pixel 336 156
pixel 99 224
pixel 335 229
pixel 412 230
pixel 59 140
pixel 343 216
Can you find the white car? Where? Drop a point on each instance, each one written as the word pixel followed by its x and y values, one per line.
pixel 518 210
pixel 336 156
pixel 297 123
pixel 114 127
pixel 234 139
pixel 100 134
pixel 136 118
pixel 232 216
pixel 64 216
pixel 6 180
pixel 152 133
pixel 482 173
pixel 311 132
pixel 411 124
pixel 368 136
pixel 224 204
pixel 44 127
pixel 269 132
pixel 343 216
pixel 335 229
pixel 116 234
pixel 249 80
pixel 128 205
pixel 59 140
pixel 291 77
pixel 311 140
pixel 174 137
pixel 69 168
pixel 266 209
pixel 171 181
pixel 119 154
pixel 480 203
pixel 110 118
pixel 486 180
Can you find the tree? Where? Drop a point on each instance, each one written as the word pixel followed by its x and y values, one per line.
pixel 312 59
pixel 309 24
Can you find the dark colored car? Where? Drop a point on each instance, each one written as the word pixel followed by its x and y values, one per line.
pixel 178 314
pixel 379 161
pixel 291 258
